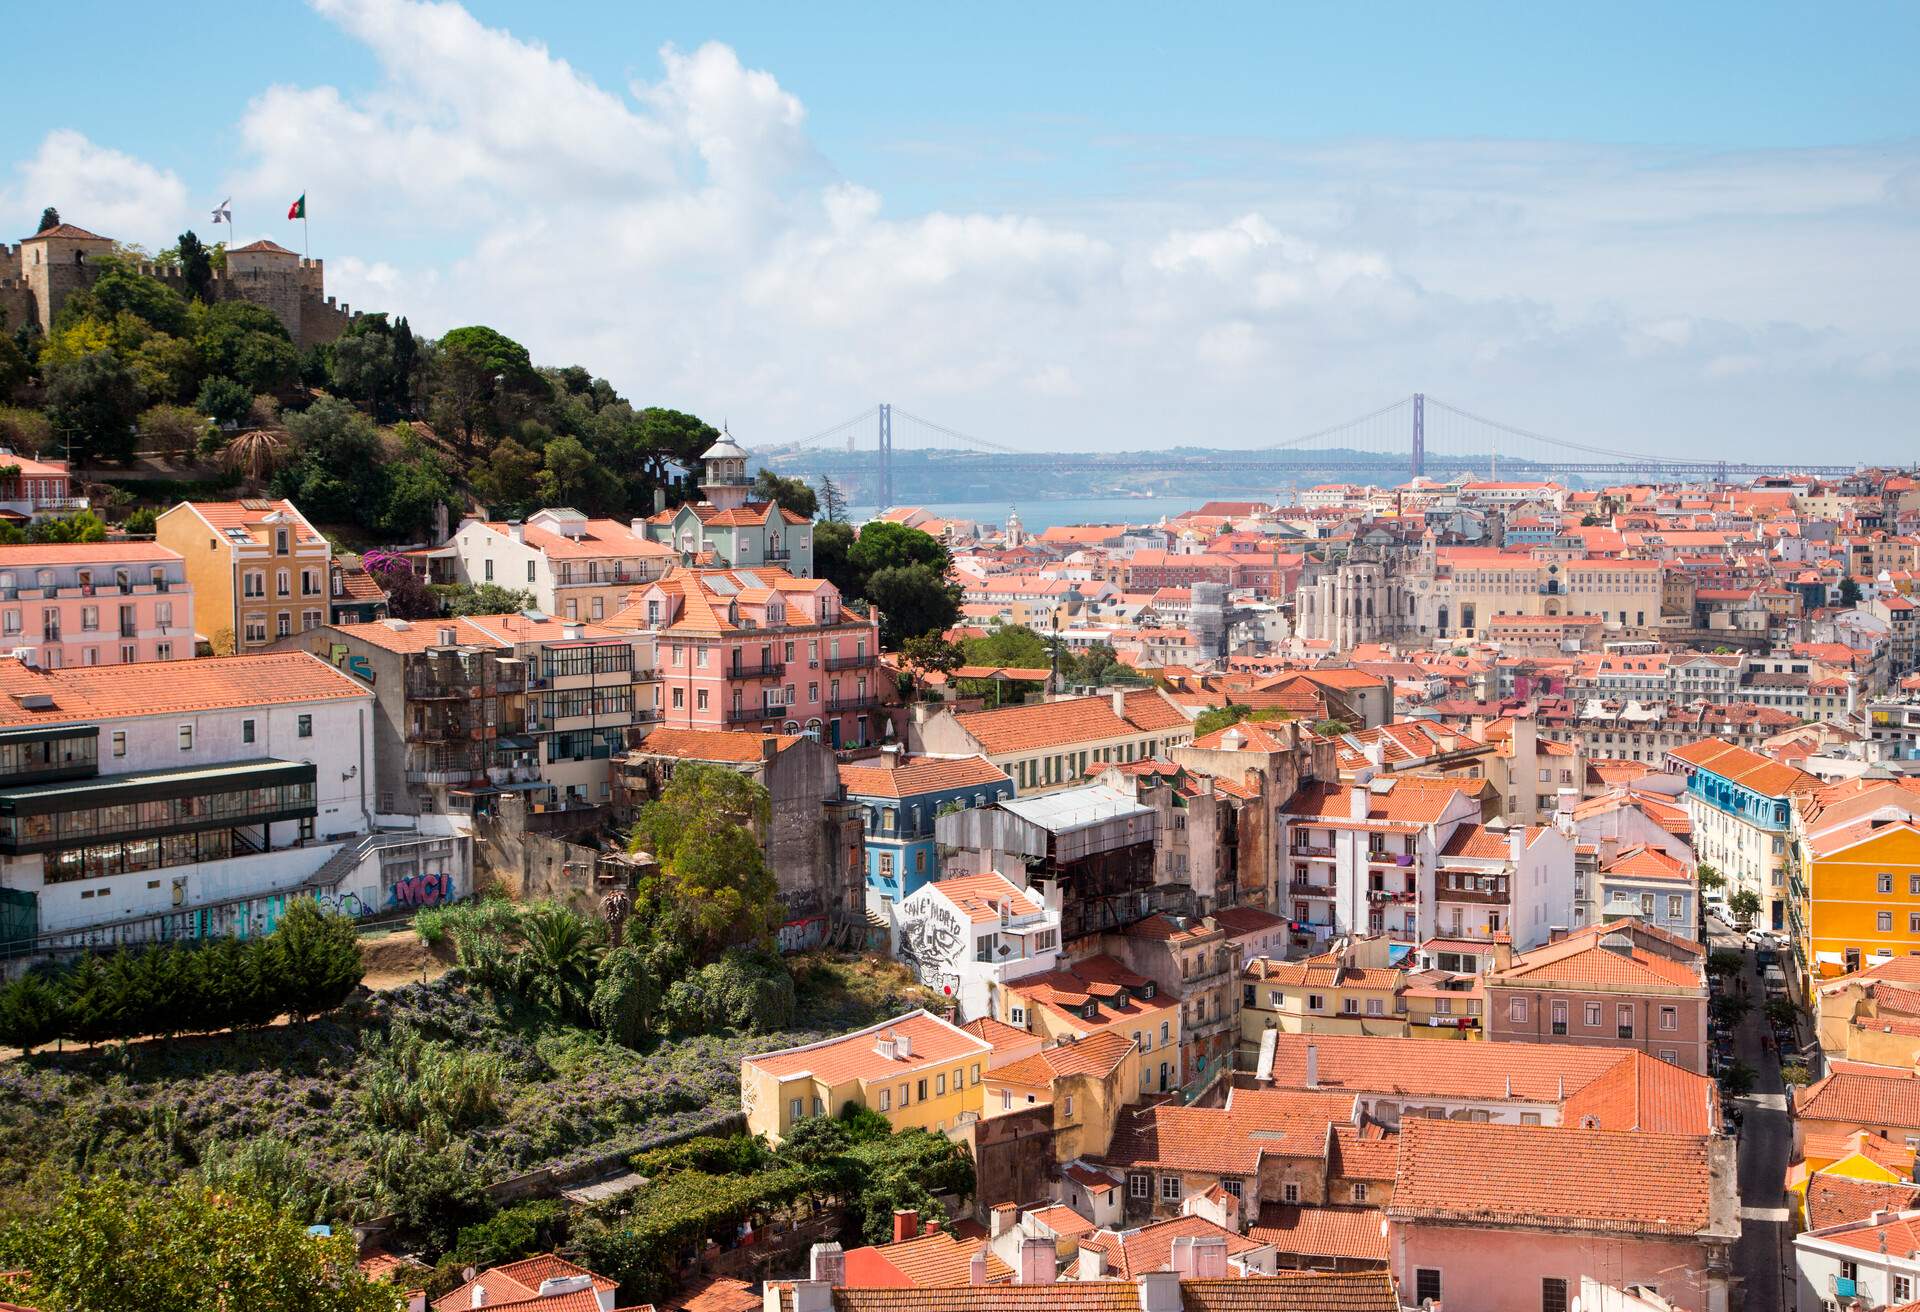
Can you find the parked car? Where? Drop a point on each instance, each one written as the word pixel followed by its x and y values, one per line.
pixel 1762 938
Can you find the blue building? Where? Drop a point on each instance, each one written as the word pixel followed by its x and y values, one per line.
pixel 902 795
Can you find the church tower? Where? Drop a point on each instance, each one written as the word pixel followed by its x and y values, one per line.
pixel 726 481
pixel 1016 533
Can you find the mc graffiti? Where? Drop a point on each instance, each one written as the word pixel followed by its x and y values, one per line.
pixel 421 891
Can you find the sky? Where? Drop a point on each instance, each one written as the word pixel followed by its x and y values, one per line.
pixel 1672 229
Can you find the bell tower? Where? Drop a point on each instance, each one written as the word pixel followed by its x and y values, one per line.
pixel 726 473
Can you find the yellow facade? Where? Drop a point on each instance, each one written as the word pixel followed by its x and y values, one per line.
pixel 259 572
pixel 1859 898
pixel 1321 1008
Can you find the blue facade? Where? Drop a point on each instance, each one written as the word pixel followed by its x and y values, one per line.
pixel 899 834
pixel 1735 800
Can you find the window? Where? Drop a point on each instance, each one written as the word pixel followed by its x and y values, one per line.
pixel 1669 1018
pixel 1517 1010
pixel 283 583
pixel 1359 1193
pixel 305 729
pixel 1883 921
pixel 797 1108
pixel 1553 1294
pixel 886 1100
pixel 1593 1015
pixel 1290 1192
pixel 1426 1284
pixel 1669 1056
pixel 940 1083
pixel 1885 884
pixel 1232 1186
pixel 119 742
pixel 1170 1188
pixel 1674 901
pixel 920 1089
pixel 1849 1271
pixel 1375 1007
pixel 1559 1016
pixel 1351 1006
pixel 976 1072
pixel 246 731
pixel 186 737
pixel 1068 1106
pixel 1902 1289
pixel 1166 1031
pixel 1017 1016
pixel 903 1093
pixel 1139 1186
pixel 283 625
pixel 1623 1019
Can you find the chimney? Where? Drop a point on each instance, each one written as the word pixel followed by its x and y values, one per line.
pixel 1159 1292
pixel 1517 848
pixel 1182 1257
pixel 885 1046
pixel 1038 1261
pixel 478 1298
pixel 659 500
pixel 932 1227
pixel 977 1267
pixel 903 1045
pixel 571 632
pixel 1555 933
pixel 1313 1067
pixel 1210 1257
pixel 1119 702
pixel 1358 802
pixel 1000 1218
pixel 516 530
pixel 1093 1262
pixel 449 637
pixel 639 527
pixel 906 1224
pixel 827 1263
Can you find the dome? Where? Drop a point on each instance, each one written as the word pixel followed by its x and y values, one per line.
pixel 725 449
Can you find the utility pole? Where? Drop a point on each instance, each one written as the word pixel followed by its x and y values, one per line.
pixel 1419 434
pixel 883 490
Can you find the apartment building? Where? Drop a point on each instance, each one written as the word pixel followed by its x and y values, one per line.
pixel 1086 1083
pixel 1873 1261
pixel 576 567
pixel 1617 985
pixel 1350 990
pixel 970 936
pixel 901 795
pixel 95 603
pixel 915 1070
pixel 1099 995
pixel 1854 870
pixel 257 569
pixel 31 488
pixel 470 709
pixel 1047 746
pixel 173 800
pixel 1192 961
pixel 1741 805
pixel 763 648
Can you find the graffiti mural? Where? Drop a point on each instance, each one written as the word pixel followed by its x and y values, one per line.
pixel 343 902
pixel 417 891
pixel 931 940
pixel 802 934
pixel 357 666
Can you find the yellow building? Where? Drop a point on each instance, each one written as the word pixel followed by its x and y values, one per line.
pixel 1859 1155
pixel 915 1069
pixel 1332 993
pixel 1873 1016
pixel 259 571
pixel 1087 1082
pixel 1855 877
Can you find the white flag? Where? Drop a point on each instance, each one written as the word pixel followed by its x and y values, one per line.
pixel 222 213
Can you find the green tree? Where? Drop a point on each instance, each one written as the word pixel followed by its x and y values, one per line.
pixel 417 485
pixel 1099 663
pixel 32 1012
pixel 272 1170
pixel 174 429
pixel 571 476
pixel 508 479
pixel 486 599
pixel 1710 877
pixel 337 471
pixel 833 500
pixel 671 437
pixel 15 368
pixel 1219 718
pixel 626 995
pixel 315 956
pixel 1745 904
pixel 929 653
pixel 1012 645
pixel 224 399
pixel 712 888
pixel 108 1244
pixel 244 342
pixel 360 365
pixel 556 962
pixel 744 990
pixel 1331 728
pixel 480 378
pixel 196 265
pixel 913 600
pixel 884 545
pixel 118 287
pixel 789 493
pixel 25 432
pixel 1849 590
pixel 93 403
pixel 49 218
pixel 832 558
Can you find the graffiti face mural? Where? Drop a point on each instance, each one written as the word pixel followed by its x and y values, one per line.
pixel 931 936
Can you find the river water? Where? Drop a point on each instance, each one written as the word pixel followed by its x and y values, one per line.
pixel 1038 516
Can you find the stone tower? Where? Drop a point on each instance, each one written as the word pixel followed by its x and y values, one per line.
pixel 726 482
pixel 1016 532
pixel 53 265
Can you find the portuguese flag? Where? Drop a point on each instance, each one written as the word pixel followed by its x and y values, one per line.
pixel 298 210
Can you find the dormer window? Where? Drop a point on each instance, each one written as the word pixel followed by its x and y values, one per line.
pixel 280 541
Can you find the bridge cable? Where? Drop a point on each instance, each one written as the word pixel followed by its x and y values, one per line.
pixel 1336 428
pixel 956 435
pixel 1625 456
pixel 840 427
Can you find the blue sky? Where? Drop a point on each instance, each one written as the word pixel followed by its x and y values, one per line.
pixel 1652 227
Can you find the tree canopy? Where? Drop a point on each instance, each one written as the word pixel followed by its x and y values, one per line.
pixel 713 889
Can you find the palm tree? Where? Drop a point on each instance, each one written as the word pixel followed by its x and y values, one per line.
pixel 255 454
pixel 557 960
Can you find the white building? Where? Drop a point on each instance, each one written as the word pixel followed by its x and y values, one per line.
pixel 192 799
pixel 968 935
pixel 577 568
pixel 1873 1263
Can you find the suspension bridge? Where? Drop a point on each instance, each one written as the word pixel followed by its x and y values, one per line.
pixel 1421 434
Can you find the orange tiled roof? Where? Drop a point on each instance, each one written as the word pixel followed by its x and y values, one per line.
pixel 214 683
pixel 1583 960
pixel 714 1294
pixel 931 1260
pixel 980 897
pixel 1097 1054
pixel 998 1033
pixel 1553 1178
pixel 1343 1232
pixel 1150 1248
pixel 714 744
pixel 855 1056
pixel 519 1282
pixel 1840 1199
pixel 31 555
pixel 1292 1291
pixel 1855 1097
pixel 1050 724
pixel 915 776
pixel 1362 1153
pixel 1406 799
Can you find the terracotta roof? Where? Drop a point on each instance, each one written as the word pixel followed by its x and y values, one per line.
pixel 1553 1178
pixel 262 247
pixel 1841 1199
pixel 980 897
pixel 1302 1291
pixel 1097 1054
pixel 600 539
pixel 998 1033
pixel 251 516
pixel 933 1042
pixel 1899 1234
pixel 1246 920
pixel 1149 710
pixel 518 1283
pixel 29 555
pixel 1362 1153
pixel 714 1293
pixel 1346 1232
pixel 502 631
pixel 1213 1140
pixel 1403 799
pixel 1748 769
pixel 1048 724
pixel 1150 1248
pixel 714 744
pixel 92 692
pixel 1478 842
pixel 1643 862
pixel 917 776
pixel 937 1259
pixel 66 230
pixel 1063 1221
pixel 1855 1097
pixel 1584 960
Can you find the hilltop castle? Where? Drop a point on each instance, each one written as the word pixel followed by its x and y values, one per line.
pixel 38 274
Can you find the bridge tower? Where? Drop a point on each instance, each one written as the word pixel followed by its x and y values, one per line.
pixel 1419 434
pixel 883 485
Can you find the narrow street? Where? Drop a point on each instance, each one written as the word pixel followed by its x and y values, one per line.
pixel 1766 1139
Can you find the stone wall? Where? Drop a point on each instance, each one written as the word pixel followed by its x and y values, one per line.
pixel 532 867
pixel 1012 1157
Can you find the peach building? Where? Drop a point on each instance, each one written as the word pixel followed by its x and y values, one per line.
pixel 95 603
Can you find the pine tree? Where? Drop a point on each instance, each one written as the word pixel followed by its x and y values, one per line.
pixel 833 501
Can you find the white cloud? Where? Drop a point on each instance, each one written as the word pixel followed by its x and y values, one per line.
pixel 687 238
pixel 98 187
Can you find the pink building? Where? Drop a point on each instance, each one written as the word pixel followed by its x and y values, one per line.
pixel 760 649
pixel 1624 984
pixel 1518 1218
pixel 33 489
pixel 96 603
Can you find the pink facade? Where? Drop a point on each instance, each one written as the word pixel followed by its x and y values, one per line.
pixel 96 603
pixel 1508 1270
pixel 32 489
pixel 760 649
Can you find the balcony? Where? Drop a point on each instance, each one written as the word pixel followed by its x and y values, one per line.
pixel 850 662
pixel 778 556
pixel 857 702
pixel 762 670
pixel 754 714
pixel 1311 850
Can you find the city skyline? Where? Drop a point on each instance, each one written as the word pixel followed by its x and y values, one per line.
pixel 1653 232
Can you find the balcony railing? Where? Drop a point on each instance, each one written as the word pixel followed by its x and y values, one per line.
pixel 757 670
pixel 779 554
pixel 754 714
pixel 849 662
pixel 857 702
